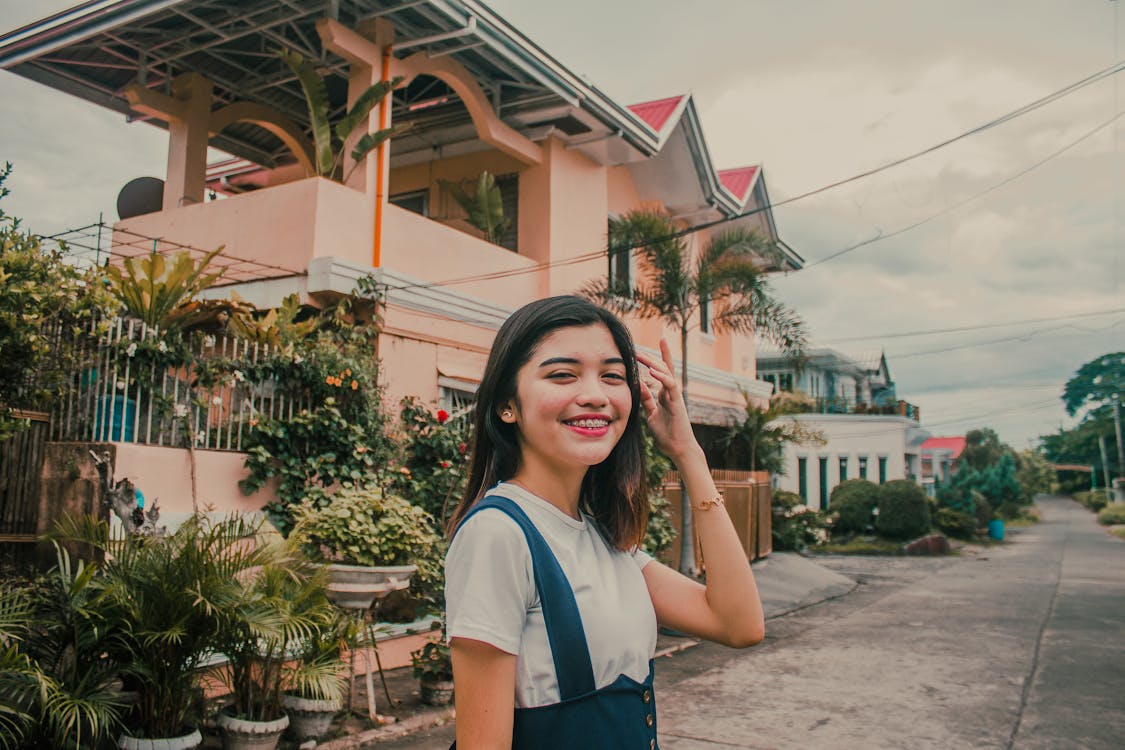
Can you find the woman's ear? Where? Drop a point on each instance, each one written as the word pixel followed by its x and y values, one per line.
pixel 507 413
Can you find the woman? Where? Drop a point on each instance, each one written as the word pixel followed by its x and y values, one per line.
pixel 551 608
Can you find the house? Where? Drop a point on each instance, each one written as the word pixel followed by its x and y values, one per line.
pixel 869 433
pixel 940 458
pixel 478 96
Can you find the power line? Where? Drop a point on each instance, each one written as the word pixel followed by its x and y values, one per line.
pixel 980 327
pixel 1022 337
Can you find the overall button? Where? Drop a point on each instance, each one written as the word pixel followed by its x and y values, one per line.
pixel 648 720
pixel 647 697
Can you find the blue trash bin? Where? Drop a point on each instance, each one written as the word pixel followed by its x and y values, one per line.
pixel 111 412
pixel 996 529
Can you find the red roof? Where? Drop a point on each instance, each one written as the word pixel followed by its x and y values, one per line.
pixel 656 113
pixel 955 444
pixel 738 181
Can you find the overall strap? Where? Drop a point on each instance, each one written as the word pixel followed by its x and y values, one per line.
pixel 573 668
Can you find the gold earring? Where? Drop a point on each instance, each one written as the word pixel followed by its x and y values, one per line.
pixel 507 414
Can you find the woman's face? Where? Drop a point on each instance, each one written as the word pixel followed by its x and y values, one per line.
pixel 572 400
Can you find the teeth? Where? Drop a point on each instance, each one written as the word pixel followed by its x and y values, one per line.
pixel 589 422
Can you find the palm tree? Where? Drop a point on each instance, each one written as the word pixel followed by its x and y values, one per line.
pixel 674 287
pixel 760 438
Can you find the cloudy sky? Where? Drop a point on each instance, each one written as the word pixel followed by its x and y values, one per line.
pixel 1029 268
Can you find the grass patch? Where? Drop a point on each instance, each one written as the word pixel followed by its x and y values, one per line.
pixel 861 546
pixel 1117 531
pixel 1112 514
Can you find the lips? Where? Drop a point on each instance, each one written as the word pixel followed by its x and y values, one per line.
pixel 593 425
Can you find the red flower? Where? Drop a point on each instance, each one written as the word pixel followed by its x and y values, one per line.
pixel 461 448
pixel 445 464
pixel 442 415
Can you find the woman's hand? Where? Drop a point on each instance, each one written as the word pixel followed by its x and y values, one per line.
pixel 664 406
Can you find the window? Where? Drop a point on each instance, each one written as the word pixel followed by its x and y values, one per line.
pixel 803 479
pixel 705 316
pixel 863 467
pixel 417 201
pixel 843 468
pixel 785 382
pixel 509 185
pixel 620 269
pixel 823 483
pixel 456 399
pixel 882 469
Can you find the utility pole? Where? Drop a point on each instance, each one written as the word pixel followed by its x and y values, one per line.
pixel 1105 463
pixel 1117 428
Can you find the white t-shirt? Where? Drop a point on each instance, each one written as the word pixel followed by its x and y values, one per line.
pixel 490 595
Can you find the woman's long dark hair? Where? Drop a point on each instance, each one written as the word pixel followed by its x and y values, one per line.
pixel 614 492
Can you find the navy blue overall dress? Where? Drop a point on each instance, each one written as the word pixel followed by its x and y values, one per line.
pixel 620 716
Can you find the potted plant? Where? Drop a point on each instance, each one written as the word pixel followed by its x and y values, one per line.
pixel 368 539
pixel 282 610
pixel 315 690
pixel 170 590
pixel 434 670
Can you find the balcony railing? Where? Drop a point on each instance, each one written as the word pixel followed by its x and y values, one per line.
pixel 848 406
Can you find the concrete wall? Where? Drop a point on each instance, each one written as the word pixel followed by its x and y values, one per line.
pixel 853 436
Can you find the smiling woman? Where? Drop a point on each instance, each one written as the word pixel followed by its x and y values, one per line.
pixel 551 607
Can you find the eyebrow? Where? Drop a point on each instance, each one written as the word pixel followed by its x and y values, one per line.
pixel 573 361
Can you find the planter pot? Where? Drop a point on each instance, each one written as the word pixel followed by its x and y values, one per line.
pixel 310 719
pixel 358 586
pixel 437 693
pixel 186 742
pixel 243 734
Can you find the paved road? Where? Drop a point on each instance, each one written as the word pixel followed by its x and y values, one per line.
pixel 1019 647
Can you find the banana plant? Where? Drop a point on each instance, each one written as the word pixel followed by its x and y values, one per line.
pixel 328 141
pixel 159 292
pixel 484 207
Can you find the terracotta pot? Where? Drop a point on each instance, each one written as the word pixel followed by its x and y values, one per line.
pixel 437 692
pixel 358 586
pixel 244 734
pixel 310 719
pixel 186 742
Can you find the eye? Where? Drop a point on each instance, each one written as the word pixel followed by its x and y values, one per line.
pixel 615 376
pixel 560 375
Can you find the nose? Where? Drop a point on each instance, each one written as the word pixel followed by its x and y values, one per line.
pixel 592 392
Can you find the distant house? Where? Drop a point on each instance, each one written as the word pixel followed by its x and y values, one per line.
pixel 870 433
pixel 940 459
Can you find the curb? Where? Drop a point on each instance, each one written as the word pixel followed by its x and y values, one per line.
pixel 415 723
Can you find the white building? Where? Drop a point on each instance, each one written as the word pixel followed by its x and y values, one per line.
pixel 869 433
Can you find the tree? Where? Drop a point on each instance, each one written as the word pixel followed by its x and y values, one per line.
pixel 1034 474
pixel 758 442
pixel 1096 383
pixel 982 448
pixel 674 287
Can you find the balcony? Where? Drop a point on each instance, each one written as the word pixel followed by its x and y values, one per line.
pixel 847 406
pixel 283 228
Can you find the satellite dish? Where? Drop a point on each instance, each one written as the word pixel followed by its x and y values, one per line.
pixel 143 195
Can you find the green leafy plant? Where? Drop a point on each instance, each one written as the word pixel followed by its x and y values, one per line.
pixel 795 525
pixel 363 525
pixel 758 442
pixel 904 512
pixel 852 504
pixel 433 458
pixel 483 207
pixel 432 662
pixel 955 523
pixel 659 531
pixel 1111 515
pixel 328 141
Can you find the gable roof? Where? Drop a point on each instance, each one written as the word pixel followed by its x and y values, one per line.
pixel 954 445
pixel 656 113
pixel 739 181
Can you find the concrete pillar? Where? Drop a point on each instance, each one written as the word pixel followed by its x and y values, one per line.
pixel 187 143
pixel 362 75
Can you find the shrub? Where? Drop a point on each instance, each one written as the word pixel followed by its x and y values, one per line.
pixel 1009 511
pixel 983 510
pixel 795 525
pixel 903 510
pixel 852 502
pixel 955 523
pixel 1111 515
pixel 1094 501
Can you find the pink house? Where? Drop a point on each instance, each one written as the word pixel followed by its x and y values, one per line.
pixel 478 95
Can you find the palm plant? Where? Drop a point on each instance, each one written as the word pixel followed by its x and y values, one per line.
pixel 61 664
pixel 484 207
pixel 282 610
pixel 328 142
pixel 172 591
pixel 760 438
pixel 674 288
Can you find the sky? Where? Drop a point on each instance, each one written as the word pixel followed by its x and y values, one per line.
pixel 1019 246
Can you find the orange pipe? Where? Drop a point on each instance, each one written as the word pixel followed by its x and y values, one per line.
pixel 381 164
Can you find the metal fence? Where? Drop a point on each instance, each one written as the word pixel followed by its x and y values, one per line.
pixel 115 395
pixel 21 459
